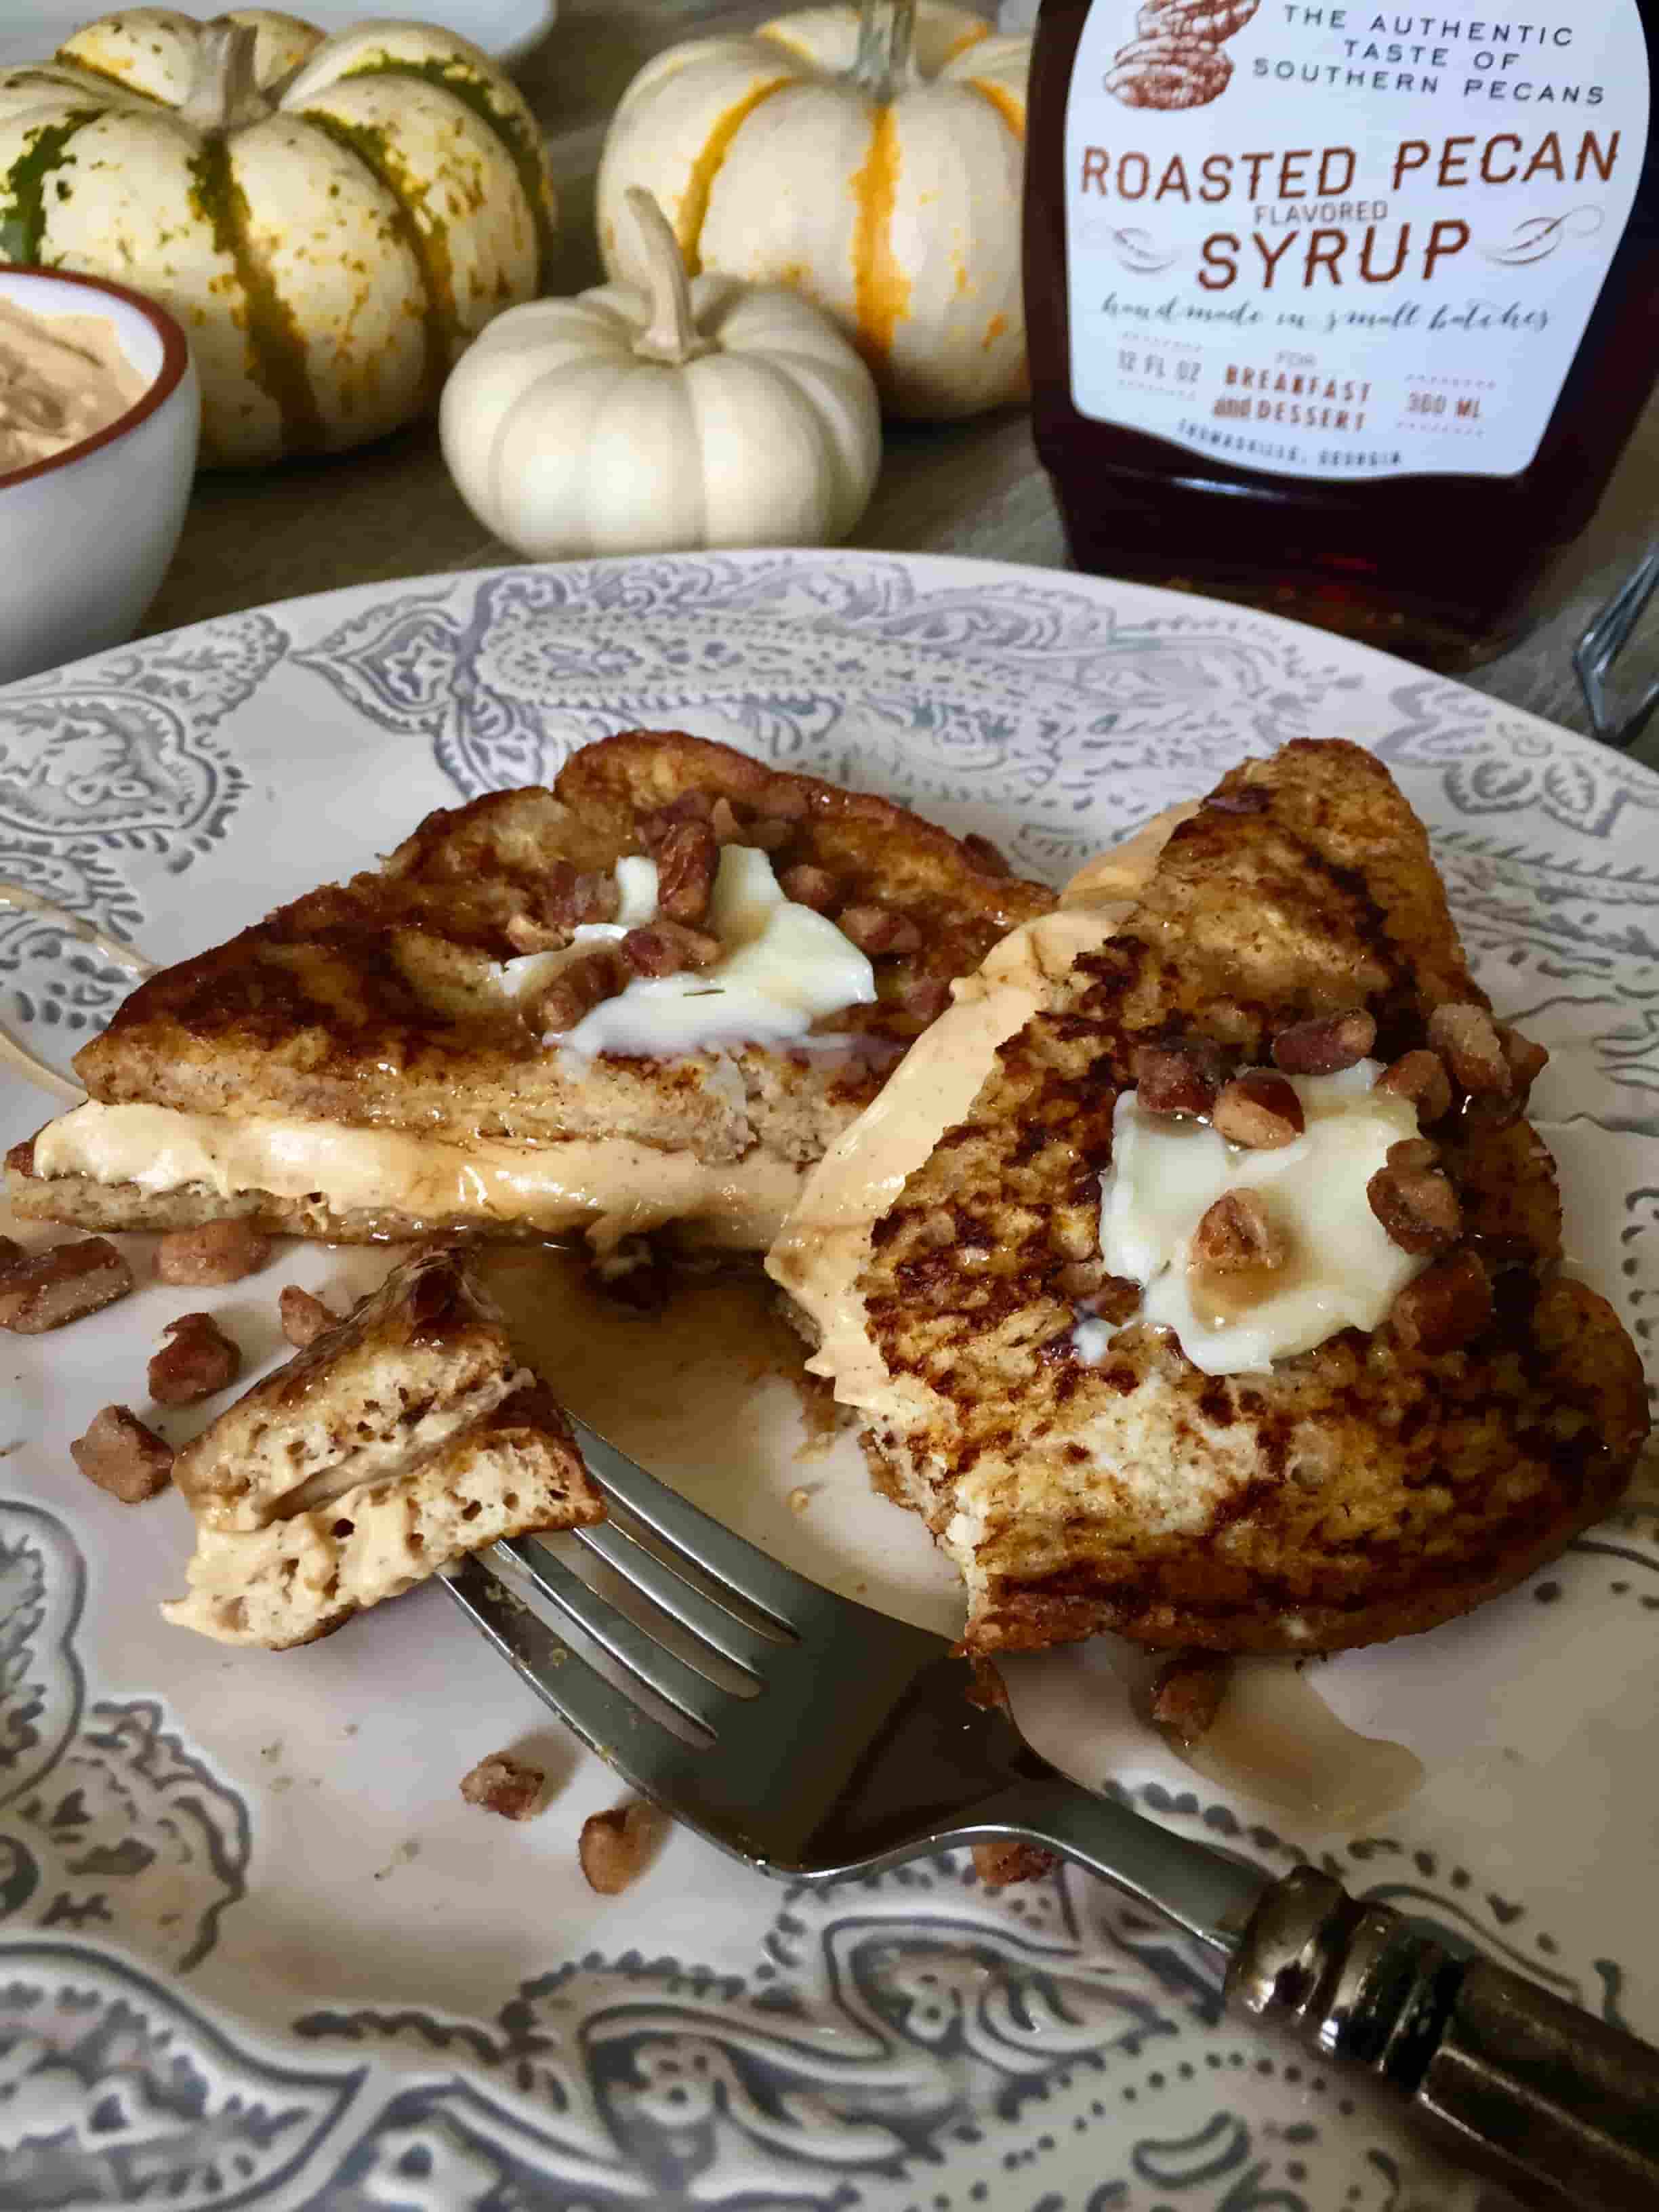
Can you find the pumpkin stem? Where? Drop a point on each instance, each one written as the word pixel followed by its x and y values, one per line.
pixel 671 335
pixel 886 30
pixel 224 94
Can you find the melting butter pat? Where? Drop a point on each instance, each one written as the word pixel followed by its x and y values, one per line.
pixel 782 967
pixel 1342 1272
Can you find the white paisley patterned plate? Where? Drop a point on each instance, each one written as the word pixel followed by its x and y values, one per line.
pixel 254 1950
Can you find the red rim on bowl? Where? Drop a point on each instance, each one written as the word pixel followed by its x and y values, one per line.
pixel 175 359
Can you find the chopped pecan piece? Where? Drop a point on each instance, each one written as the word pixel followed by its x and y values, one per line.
pixel 1325 1045
pixel 581 984
pixel 1526 1060
pixel 877 929
pixel 1259 1109
pixel 1414 1199
pixel 1239 1233
pixel 526 934
pixel 1175 1078
pixel 199 1360
pixel 686 862
pixel 616 1846
pixel 1241 799
pixel 218 1252
pixel 1422 1078
pixel 563 900
pixel 567 897
pixel 1447 1305
pixel 654 824
pixel 811 886
pixel 44 1289
pixel 988 858
pixel 304 1317
pixel 667 948
pixel 1108 1298
pixel 999 1859
pixel 123 1456
pixel 1467 1039
pixel 926 999
pixel 1413 1153
pixel 766 832
pixel 785 801
pixel 1118 1299
pixel 1228 1022
pixel 503 1785
pixel 1187 1693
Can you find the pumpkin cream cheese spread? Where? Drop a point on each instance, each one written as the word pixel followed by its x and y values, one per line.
pixel 611 1187
pixel 63 377
pixel 825 1242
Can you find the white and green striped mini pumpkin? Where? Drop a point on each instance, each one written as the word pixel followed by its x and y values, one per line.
pixel 331 219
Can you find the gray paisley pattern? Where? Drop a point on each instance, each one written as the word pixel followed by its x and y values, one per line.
pixel 907 2043
pixel 98 762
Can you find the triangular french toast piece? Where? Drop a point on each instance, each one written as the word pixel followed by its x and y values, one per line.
pixel 404 1437
pixel 1157 1348
pixel 654 992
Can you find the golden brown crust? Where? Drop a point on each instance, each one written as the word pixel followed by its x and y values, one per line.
pixel 374 1000
pixel 1359 1491
pixel 398 1373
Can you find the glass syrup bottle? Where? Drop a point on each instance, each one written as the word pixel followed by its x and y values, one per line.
pixel 1346 312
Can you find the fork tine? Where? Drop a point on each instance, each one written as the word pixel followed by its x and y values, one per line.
pixel 607 1720
pixel 630 1645
pixel 786 1597
pixel 698 1610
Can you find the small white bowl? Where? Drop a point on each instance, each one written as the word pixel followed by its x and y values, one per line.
pixel 86 536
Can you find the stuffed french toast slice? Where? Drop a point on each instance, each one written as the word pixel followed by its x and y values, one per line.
pixel 1228 1311
pixel 651 994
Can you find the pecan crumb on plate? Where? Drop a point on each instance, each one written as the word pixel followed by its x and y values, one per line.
pixel 616 1845
pixel 41 1291
pixel 999 1859
pixel 304 1317
pixel 198 1359
pixel 1188 1692
pixel 217 1252
pixel 506 1785
pixel 123 1456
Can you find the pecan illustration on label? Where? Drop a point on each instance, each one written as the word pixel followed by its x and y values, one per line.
pixel 1212 21
pixel 1175 59
pixel 1169 73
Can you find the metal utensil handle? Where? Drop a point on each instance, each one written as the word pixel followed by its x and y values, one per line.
pixel 1559 2107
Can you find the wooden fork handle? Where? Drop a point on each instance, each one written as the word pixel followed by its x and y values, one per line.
pixel 1557 2105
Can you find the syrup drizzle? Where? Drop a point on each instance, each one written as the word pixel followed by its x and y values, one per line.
pixel 1277 1740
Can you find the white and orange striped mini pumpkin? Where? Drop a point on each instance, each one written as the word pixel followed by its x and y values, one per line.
pixel 331 219
pixel 869 157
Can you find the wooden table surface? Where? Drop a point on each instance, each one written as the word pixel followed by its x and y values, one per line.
pixel 390 510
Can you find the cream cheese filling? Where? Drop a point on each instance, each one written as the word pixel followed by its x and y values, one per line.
pixel 825 1245
pixel 781 967
pixel 609 1186
pixel 1342 1271
pixel 396 1458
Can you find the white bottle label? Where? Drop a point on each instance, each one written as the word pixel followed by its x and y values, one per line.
pixel 1345 241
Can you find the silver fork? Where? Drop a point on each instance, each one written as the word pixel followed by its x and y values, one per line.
pixel 858 1745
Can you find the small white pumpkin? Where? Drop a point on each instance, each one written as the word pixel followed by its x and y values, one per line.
pixel 679 415
pixel 329 218
pixel 870 155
